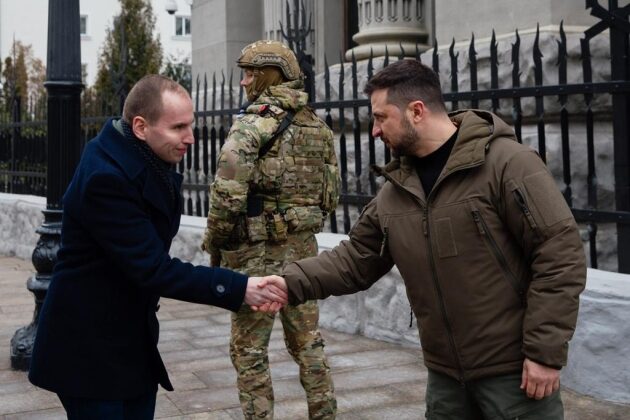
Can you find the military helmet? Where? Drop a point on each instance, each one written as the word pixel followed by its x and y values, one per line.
pixel 270 53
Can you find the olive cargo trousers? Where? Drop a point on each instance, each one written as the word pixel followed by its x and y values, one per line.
pixel 497 397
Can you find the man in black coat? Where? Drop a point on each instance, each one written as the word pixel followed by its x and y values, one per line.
pixel 96 343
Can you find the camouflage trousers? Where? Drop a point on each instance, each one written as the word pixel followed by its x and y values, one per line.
pixel 248 351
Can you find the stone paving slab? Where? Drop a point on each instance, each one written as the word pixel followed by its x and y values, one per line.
pixel 374 380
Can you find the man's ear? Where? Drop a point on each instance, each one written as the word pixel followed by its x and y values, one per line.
pixel 139 126
pixel 417 110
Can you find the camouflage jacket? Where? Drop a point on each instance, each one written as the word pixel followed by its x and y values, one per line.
pixel 296 181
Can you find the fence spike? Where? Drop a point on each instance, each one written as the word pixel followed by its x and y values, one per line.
pixel 326 80
pixel 214 93
pixel 436 59
pixel 222 90
pixel 198 86
pixel 341 75
pixel 562 47
pixel 494 70
pixel 537 58
pixel 205 94
pixel 454 71
pixel 472 59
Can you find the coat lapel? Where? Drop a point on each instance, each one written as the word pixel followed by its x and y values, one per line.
pixel 155 193
pixel 127 156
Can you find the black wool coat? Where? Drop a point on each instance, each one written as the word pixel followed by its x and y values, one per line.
pixel 98 330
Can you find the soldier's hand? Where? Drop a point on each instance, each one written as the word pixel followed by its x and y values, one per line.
pixel 538 380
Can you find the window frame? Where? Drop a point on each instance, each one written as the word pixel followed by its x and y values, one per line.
pixel 83 22
pixel 183 19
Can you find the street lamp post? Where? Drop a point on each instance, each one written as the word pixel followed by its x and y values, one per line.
pixel 63 83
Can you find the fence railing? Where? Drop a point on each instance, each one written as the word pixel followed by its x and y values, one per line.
pixel 568 106
pixel 23 154
pixel 579 108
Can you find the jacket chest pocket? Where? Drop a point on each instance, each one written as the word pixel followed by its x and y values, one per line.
pixel 444 238
pixel 402 234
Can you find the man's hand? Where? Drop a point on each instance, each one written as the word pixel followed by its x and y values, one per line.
pixel 264 293
pixel 276 282
pixel 539 381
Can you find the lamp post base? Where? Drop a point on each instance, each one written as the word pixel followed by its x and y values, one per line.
pixel 44 258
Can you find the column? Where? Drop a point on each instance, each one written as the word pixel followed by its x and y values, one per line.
pixel 392 24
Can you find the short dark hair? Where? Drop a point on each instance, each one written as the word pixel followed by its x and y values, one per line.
pixel 141 100
pixel 406 81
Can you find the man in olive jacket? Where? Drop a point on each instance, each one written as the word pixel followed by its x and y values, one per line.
pixel 487 246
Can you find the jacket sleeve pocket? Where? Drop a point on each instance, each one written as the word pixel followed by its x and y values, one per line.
pixel 540 186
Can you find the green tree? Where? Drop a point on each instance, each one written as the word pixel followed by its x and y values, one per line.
pixel 141 53
pixel 23 78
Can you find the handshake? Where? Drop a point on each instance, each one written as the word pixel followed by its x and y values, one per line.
pixel 266 294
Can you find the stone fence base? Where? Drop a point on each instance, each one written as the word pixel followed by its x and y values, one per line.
pixel 598 353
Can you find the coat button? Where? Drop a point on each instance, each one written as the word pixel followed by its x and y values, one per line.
pixel 220 288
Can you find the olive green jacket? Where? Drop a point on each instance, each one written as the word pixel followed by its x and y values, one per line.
pixel 492 261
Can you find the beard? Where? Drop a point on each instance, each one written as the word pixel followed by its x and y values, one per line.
pixel 408 141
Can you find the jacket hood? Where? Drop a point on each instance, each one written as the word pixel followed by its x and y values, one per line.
pixel 285 96
pixel 477 129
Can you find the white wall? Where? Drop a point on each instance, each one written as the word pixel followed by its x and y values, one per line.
pixel 27 21
pixel 458 19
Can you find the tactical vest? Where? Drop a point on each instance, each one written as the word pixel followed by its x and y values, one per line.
pixel 293 189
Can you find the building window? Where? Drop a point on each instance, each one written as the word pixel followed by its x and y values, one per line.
pixel 83 25
pixel 182 25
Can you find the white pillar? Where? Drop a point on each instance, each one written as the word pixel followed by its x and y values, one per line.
pixel 392 24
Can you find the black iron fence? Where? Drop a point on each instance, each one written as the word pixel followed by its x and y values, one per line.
pixel 586 109
pixel 23 160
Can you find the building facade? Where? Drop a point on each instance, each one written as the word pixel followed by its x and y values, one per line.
pixel 341 28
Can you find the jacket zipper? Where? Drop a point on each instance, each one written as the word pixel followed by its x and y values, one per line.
pixel 520 201
pixel 427 234
pixel 384 243
pixel 485 232
pixel 449 329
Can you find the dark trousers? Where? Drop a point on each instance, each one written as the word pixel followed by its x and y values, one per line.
pixel 141 408
pixel 497 397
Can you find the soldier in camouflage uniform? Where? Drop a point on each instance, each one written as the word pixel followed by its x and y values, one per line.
pixel 264 213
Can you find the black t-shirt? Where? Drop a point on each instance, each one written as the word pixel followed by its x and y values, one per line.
pixel 430 166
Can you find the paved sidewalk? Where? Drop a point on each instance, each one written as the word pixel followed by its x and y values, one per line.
pixel 373 379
